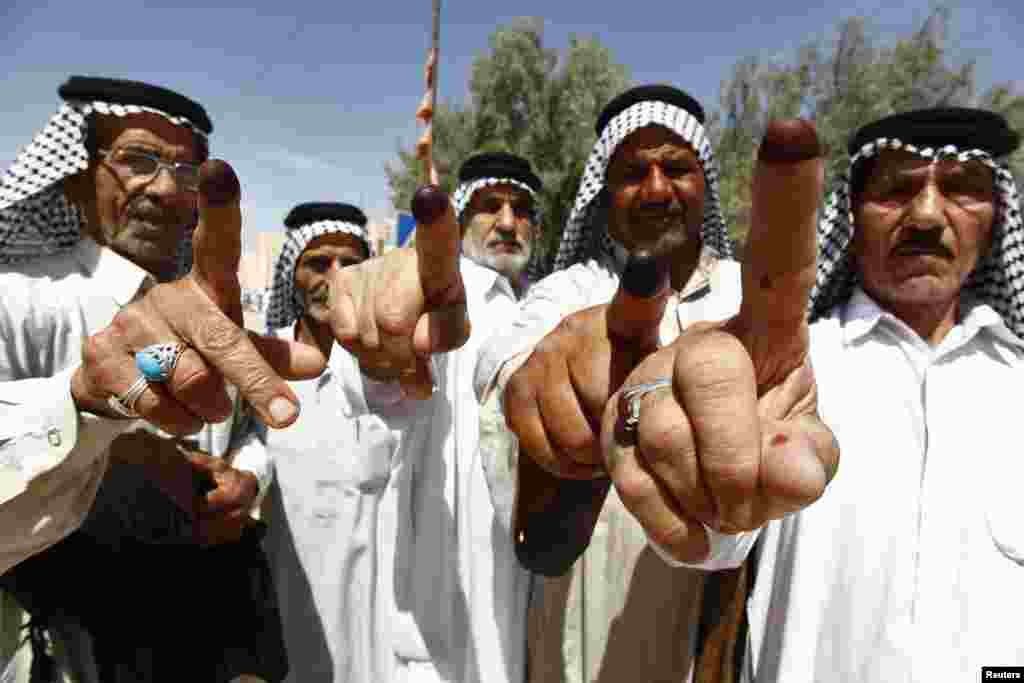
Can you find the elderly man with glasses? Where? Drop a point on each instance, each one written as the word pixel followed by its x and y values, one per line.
pixel 88 220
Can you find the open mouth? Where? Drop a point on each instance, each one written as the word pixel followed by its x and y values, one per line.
pixel 912 250
pixel 505 246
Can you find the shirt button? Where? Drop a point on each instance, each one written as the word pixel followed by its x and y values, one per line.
pixel 53 436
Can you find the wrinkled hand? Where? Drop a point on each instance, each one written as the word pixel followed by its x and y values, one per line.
pixel 392 312
pixel 555 401
pixel 737 441
pixel 226 497
pixel 554 404
pixel 203 310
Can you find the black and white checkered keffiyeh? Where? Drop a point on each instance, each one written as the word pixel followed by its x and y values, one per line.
pixel 586 233
pixel 286 305
pixel 997 281
pixel 36 218
pixel 465 191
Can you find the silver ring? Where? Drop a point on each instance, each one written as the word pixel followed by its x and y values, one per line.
pixel 156 362
pixel 124 405
pixel 629 400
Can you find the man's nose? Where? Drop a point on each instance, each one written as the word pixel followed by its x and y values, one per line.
pixel 927 210
pixel 656 188
pixel 506 218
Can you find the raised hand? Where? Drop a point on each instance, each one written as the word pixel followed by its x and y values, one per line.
pixel 203 311
pixel 554 404
pixel 394 311
pixel 736 440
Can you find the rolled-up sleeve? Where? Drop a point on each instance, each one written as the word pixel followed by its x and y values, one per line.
pixel 52 459
pixel 549 301
pixel 250 455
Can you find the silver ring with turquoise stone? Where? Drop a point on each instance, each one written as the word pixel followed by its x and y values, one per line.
pixel 156 362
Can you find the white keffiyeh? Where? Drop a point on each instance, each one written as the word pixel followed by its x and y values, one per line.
pixel 465 191
pixel 36 218
pixel 998 279
pixel 586 233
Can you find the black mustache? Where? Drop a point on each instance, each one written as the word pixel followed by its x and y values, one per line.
pixel 146 209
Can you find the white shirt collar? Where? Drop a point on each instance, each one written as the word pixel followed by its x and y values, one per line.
pixel 121 276
pixel 862 314
pixel 487 279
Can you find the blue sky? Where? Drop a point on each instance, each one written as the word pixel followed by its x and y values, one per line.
pixel 309 99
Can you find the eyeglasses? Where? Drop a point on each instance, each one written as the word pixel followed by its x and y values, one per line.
pixel 138 164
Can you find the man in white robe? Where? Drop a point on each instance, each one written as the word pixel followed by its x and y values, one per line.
pixel 908 568
pixel 385 528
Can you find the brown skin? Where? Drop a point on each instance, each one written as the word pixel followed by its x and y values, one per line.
pixel 656 188
pixel 656 184
pixel 737 386
pixel 222 513
pixel 395 310
pixel 498 232
pixel 737 442
pixel 921 230
pixel 313 272
pixel 142 220
pixel 203 310
pixel 555 401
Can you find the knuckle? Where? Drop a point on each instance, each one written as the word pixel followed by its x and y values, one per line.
pixel 668 536
pixel 196 379
pixel 93 350
pixel 217 335
pixel 517 393
pixel 712 372
pixel 729 476
pixel 633 485
pixel 391 319
pixel 664 442
pixel 256 383
pixel 127 320
pixel 574 325
pixel 578 444
pixel 548 347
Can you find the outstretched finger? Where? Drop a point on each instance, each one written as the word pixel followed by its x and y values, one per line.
pixel 291 360
pixel 779 263
pixel 217 241
pixel 229 349
pixel 635 312
pixel 438 244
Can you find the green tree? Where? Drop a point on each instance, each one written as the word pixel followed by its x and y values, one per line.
pixel 538 102
pixel 842 85
pixel 1004 99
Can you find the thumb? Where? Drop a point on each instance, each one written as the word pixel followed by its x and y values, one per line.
pixel 635 312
